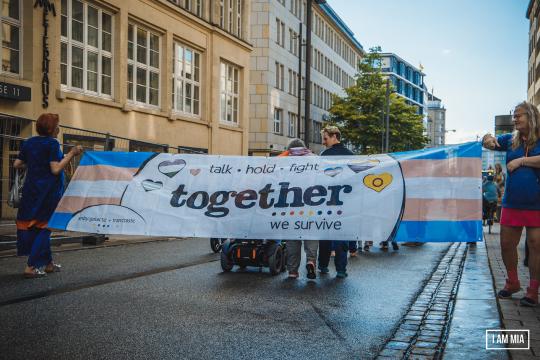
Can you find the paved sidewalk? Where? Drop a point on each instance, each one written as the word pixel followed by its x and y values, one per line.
pixel 475 310
pixel 513 315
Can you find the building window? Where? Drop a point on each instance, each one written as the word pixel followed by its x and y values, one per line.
pixel 278 118
pixel 222 14
pixel 239 18
pixel 229 93
pixel 280 33
pixel 230 16
pixel 193 6
pixel 293 120
pixel 143 66
pixel 86 48
pixel 10 23
pixel 280 76
pixel 293 82
pixel 317 136
pixel 293 42
pixel 295 7
pixel 186 80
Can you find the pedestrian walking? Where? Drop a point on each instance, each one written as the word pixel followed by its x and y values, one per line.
pixel 297 147
pixel 490 195
pixel 521 204
pixel 331 137
pixel 43 187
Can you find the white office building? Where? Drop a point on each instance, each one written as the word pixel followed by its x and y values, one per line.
pixel 275 91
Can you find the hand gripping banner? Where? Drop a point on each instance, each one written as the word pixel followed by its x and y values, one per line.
pixel 431 195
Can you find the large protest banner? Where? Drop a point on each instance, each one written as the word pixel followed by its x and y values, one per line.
pixel 427 195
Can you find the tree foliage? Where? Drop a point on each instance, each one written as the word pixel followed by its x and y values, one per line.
pixel 359 114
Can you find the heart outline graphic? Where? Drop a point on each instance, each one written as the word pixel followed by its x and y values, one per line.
pixel 194 172
pixel 333 171
pixel 170 168
pixel 364 165
pixel 378 182
pixel 151 185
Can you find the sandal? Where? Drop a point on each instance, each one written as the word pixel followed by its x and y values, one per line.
pixel 34 273
pixel 530 299
pixel 53 267
pixel 509 289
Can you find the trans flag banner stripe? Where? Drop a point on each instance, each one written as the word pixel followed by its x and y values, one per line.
pixel 427 195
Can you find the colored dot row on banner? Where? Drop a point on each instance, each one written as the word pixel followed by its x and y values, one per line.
pixel 306 213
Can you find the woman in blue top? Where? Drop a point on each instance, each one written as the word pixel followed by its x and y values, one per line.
pixel 42 190
pixel 521 201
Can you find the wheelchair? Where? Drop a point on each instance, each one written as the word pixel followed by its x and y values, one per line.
pixel 258 253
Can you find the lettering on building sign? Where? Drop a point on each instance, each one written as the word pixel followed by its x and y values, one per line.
pixel 47 6
pixel 15 92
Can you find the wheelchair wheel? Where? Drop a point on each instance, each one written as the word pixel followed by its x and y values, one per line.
pixel 226 263
pixel 276 259
pixel 215 244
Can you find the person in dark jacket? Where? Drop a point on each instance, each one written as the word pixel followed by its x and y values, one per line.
pixel 332 140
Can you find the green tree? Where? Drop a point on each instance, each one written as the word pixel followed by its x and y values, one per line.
pixel 359 113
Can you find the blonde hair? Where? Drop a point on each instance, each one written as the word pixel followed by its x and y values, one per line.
pixel 331 131
pixel 533 118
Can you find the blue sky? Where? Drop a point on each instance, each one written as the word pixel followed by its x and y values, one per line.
pixel 474 52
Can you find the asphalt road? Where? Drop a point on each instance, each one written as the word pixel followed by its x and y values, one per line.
pixel 170 300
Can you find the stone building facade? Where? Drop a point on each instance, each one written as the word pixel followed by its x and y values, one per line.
pixel 126 75
pixel 169 72
pixel 275 89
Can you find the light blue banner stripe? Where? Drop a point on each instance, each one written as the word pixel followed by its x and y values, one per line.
pixel 60 220
pixel 113 158
pixel 439 231
pixel 468 150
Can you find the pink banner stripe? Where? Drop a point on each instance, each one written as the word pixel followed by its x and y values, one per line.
pixel 454 167
pixel 72 204
pixel 104 172
pixel 442 209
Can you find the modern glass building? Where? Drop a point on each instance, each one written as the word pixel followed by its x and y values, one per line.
pixel 407 79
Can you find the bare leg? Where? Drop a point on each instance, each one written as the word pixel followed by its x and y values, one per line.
pixel 510 236
pixel 533 237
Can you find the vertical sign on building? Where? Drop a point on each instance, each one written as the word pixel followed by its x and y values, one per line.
pixel 47 6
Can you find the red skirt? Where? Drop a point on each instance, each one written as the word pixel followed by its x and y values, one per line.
pixel 520 217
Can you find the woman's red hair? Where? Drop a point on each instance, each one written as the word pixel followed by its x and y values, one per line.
pixel 47 123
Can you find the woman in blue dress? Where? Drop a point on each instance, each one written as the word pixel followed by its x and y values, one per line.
pixel 43 187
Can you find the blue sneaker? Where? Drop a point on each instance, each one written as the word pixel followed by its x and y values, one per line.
pixel 324 270
pixel 341 274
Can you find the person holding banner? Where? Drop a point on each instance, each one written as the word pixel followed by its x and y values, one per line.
pixel 43 187
pixel 332 140
pixel 521 200
pixel 297 147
